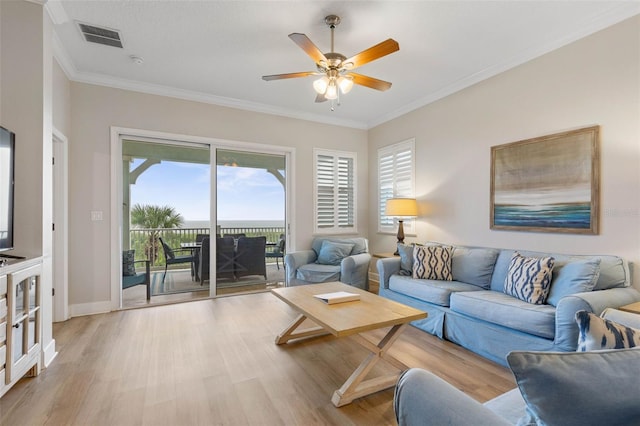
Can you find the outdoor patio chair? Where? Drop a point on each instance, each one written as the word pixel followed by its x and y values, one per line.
pixel 277 251
pixel 176 256
pixel 224 258
pixel 131 277
pixel 250 257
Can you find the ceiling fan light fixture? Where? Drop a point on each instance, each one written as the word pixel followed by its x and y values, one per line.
pixel 332 90
pixel 345 84
pixel 320 85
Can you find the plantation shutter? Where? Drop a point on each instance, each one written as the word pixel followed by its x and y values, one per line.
pixel 335 196
pixel 396 178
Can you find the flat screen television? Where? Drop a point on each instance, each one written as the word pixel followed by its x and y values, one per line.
pixel 7 154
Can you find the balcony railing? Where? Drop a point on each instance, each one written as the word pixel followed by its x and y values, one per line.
pixel 147 245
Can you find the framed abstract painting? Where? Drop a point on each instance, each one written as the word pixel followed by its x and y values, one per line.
pixel 547 184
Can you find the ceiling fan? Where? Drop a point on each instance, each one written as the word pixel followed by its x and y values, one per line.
pixel 335 68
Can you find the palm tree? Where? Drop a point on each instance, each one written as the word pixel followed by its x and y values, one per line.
pixel 154 218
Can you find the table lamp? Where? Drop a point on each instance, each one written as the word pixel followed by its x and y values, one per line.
pixel 401 208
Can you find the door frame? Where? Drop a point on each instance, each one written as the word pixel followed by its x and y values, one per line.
pixel 60 246
pixel 120 133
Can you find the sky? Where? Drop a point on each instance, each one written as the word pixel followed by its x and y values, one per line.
pixel 243 193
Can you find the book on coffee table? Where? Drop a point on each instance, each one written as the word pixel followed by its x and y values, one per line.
pixel 337 297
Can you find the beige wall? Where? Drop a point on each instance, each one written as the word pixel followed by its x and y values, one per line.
pixel 593 81
pixel 94 109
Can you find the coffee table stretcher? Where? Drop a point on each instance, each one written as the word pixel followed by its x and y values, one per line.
pixel 355 387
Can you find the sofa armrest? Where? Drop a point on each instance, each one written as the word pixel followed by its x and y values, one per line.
pixel 294 260
pixel 387 267
pixel 422 398
pixel 354 270
pixel 592 301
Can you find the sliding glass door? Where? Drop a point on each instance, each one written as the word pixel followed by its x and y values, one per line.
pixel 250 218
pixel 165 211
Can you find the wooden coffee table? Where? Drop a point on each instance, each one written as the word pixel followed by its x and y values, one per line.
pixel 349 319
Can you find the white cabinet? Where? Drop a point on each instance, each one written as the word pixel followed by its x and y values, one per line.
pixel 20 322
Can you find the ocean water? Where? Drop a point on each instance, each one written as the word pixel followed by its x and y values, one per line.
pixel 235 223
pixel 571 215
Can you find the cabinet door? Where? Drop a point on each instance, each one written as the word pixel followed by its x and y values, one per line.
pixel 23 341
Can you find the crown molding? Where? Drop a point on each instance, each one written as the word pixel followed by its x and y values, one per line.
pixel 57 13
pixel 599 23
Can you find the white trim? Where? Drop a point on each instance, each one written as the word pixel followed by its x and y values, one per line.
pixel 189 95
pixel 60 250
pixel 120 133
pixel 49 353
pixel 91 308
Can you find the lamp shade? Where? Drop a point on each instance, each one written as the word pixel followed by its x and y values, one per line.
pixel 401 207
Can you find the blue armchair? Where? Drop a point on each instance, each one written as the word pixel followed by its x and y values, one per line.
pixel 330 259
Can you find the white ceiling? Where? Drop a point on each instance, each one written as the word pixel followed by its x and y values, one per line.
pixel 217 51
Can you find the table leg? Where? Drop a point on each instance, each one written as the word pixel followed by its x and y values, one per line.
pixel 291 333
pixel 355 386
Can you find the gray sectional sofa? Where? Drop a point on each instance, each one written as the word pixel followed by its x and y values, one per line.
pixel 474 312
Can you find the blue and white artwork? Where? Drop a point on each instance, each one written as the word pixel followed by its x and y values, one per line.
pixel 547 184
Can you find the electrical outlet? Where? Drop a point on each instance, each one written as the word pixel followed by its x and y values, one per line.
pixel 96 215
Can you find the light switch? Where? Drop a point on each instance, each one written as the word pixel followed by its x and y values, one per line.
pixel 96 215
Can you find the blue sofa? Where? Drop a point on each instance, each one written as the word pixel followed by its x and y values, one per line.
pixel 474 312
pixel 350 267
pixel 554 388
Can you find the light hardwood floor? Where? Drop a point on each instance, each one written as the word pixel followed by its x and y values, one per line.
pixel 214 361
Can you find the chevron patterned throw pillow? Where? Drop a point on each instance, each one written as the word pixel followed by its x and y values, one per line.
pixel 529 278
pixel 432 262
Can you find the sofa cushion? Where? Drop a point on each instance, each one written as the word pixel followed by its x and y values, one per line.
pixel 437 292
pixel 504 310
pixel 317 273
pixel 432 262
pixel 573 277
pixel 128 265
pixel 597 333
pixel 529 278
pixel 629 319
pixel 332 253
pixel 614 271
pixel 406 259
pixel 474 265
pixel 579 388
pixel 360 244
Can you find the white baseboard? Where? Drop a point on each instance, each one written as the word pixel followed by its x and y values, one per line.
pixel 49 353
pixel 89 309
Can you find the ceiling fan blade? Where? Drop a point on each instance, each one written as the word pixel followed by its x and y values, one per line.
pixel 320 98
pixel 371 54
pixel 307 45
pixel 371 82
pixel 289 75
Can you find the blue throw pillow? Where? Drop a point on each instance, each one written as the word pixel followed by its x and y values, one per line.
pixel 574 277
pixel 332 253
pixel 579 388
pixel 128 267
pixel 406 259
pixel 595 333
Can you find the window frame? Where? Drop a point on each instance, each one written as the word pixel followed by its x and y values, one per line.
pixel 396 184
pixel 337 157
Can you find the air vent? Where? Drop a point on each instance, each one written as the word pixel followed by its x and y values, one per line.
pixel 100 35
